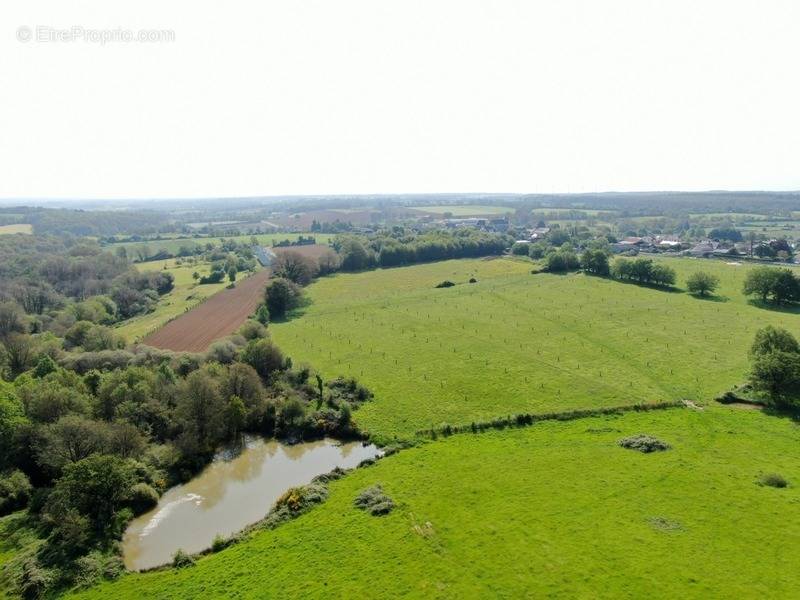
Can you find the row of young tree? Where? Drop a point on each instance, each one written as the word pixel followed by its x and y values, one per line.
pixel 400 246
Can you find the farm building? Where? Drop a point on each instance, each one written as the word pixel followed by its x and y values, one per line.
pixel 264 255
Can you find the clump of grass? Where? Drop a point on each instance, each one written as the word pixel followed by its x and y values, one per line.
pixel 664 524
pixel 445 284
pixel 643 443
pixel 181 559
pixel 374 501
pixel 773 480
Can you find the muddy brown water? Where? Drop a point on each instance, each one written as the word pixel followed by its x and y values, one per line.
pixel 236 489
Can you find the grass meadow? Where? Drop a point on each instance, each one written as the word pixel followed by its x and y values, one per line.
pixel 16 228
pixel 186 294
pixel 516 342
pixel 553 510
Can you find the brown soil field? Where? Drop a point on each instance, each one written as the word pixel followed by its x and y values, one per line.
pixel 304 220
pixel 310 250
pixel 221 315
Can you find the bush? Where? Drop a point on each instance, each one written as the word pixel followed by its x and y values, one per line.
pixel 773 480
pixel 15 491
pixel 298 498
pixel 220 543
pixel 445 284
pixel 643 443
pixel 374 501
pixel 181 559
pixel 142 498
pixel 223 352
pixel 473 280
pixel 253 330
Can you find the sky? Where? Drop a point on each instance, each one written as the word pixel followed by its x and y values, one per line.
pixel 382 96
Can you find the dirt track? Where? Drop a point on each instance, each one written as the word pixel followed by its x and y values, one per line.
pixel 220 315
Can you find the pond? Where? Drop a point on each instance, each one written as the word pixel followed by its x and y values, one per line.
pixel 237 489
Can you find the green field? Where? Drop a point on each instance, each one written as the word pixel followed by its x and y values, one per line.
pixel 467 210
pixel 565 211
pixel 516 342
pixel 172 246
pixel 16 228
pixel 554 510
pixel 186 294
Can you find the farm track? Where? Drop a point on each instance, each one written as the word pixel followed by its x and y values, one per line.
pixel 219 316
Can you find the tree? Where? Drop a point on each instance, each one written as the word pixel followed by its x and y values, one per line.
pixel 773 339
pixel 328 262
pixel 355 256
pixel 295 267
pixel 95 488
pixel 201 410
pixel 702 283
pixel 520 249
pixel 195 275
pixel 785 287
pixel 12 417
pixel 561 261
pixel 759 282
pixel 12 319
pixel 70 440
pixel 778 375
pixel 232 274
pixel 282 296
pixel 264 356
pixel 595 262
pixel 775 354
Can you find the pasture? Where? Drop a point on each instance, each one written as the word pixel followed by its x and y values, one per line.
pixel 16 228
pixel 553 510
pixel 466 210
pixel 516 342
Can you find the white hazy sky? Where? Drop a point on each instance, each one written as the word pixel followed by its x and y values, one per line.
pixel 348 96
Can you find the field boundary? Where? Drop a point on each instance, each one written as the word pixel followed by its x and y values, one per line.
pixel 528 419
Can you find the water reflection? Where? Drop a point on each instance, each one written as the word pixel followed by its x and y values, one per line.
pixel 235 490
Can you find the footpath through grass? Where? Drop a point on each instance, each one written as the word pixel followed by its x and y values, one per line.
pixel 515 342
pixel 553 510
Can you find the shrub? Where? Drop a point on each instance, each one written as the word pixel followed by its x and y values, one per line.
pixel 15 491
pixel 223 351
pixel 643 443
pixel 220 543
pixel 374 501
pixel 95 566
pixel 253 330
pixel 473 280
pixel 142 498
pixel 445 284
pixel 298 498
pixel 181 559
pixel 773 480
